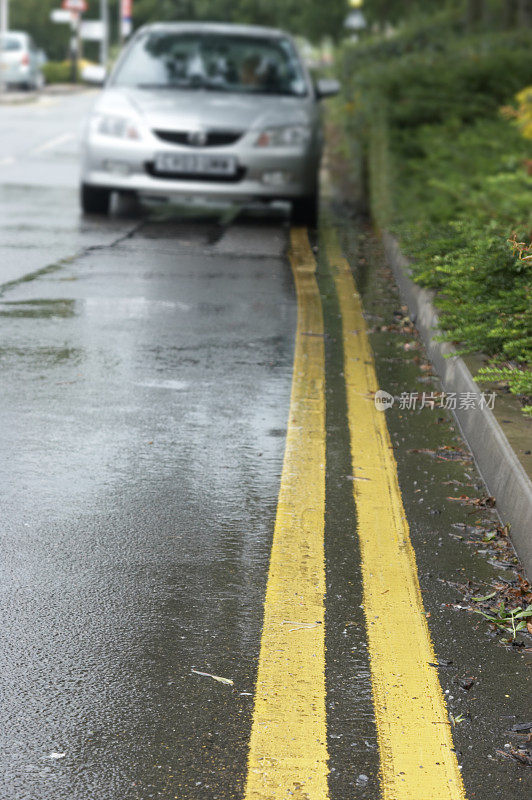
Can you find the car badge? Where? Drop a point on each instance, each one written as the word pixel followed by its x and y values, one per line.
pixel 197 138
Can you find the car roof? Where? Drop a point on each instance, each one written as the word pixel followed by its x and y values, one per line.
pixel 215 27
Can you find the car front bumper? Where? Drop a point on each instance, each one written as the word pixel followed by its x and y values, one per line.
pixel 262 175
pixel 15 74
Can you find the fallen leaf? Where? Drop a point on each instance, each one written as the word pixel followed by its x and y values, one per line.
pixel 485 502
pixel 441 662
pixel 517 755
pixel 522 727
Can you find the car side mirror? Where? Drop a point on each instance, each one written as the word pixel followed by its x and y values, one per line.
pixel 327 87
pixel 94 73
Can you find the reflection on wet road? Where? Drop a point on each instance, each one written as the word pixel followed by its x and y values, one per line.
pixel 153 381
pixel 184 609
pixel 40 223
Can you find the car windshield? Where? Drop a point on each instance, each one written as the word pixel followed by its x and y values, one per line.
pixel 218 62
pixel 10 43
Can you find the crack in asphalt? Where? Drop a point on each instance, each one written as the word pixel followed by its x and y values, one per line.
pixel 31 276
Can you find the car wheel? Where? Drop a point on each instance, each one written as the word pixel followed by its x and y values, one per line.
pixel 305 211
pixel 95 200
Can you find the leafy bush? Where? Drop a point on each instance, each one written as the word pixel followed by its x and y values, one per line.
pixel 519 382
pixel 524 112
pixel 429 33
pixel 452 177
pixel 57 71
pixel 462 79
pixel 495 318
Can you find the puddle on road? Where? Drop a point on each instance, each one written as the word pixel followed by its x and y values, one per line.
pixel 120 308
pixel 158 500
pixel 39 358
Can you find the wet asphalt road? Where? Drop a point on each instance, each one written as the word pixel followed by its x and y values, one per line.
pixel 146 372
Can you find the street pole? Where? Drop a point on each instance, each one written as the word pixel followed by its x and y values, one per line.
pixel 120 31
pixel 74 46
pixel 104 44
pixel 4 16
pixel 4 27
pixel 125 11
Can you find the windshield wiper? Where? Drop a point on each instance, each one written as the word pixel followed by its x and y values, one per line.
pixel 189 87
pixel 157 86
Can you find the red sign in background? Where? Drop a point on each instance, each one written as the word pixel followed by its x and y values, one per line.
pixel 80 6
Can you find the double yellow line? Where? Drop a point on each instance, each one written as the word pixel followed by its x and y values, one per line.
pixel 416 748
pixel 288 748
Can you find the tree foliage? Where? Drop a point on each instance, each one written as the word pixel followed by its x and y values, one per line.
pixel 493 14
pixel 311 18
pixel 33 16
pixel 393 11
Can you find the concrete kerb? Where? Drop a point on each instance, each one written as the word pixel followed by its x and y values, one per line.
pixel 499 466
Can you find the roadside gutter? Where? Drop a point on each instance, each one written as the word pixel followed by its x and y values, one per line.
pixel 503 473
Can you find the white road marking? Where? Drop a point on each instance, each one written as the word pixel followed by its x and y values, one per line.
pixel 65 137
pixel 168 384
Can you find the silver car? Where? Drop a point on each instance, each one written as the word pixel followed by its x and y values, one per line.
pixel 20 61
pixel 216 112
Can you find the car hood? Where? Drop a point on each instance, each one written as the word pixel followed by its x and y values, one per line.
pixel 189 110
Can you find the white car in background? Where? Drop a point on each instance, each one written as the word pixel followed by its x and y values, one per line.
pixel 20 61
pixel 217 112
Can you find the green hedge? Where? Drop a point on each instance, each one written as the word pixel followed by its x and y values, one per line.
pixel 446 174
pixel 57 72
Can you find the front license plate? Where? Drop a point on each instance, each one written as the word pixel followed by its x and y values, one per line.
pixel 195 164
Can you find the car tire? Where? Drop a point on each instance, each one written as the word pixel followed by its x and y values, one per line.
pixel 95 200
pixel 305 211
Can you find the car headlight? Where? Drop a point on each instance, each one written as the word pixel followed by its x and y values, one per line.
pixel 289 136
pixel 117 127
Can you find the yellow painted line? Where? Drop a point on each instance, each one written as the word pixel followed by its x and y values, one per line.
pixel 288 747
pixel 415 742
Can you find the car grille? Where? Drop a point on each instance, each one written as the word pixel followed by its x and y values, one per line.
pixel 212 138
